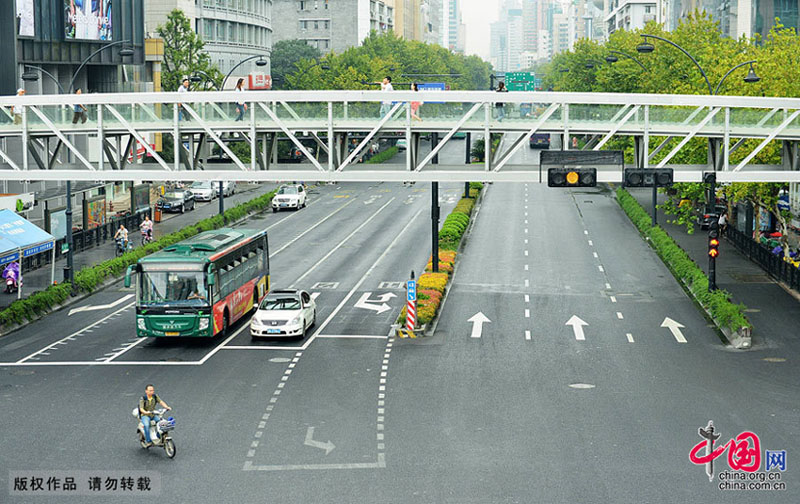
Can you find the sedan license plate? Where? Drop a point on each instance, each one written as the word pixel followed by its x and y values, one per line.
pixel 273 331
pixel 283 204
pixel 172 334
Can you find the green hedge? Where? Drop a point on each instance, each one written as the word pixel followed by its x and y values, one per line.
pixel 456 223
pixel 383 155
pixel 717 303
pixel 88 279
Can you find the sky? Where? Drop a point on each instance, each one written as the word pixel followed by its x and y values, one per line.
pixel 477 15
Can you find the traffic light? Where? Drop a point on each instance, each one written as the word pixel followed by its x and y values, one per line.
pixel 713 238
pixel 638 177
pixel 571 177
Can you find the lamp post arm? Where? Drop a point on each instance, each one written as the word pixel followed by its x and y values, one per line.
pixel 681 49
pixel 716 90
pixel 47 74
pixel 631 57
pixel 85 61
pixel 237 66
pixel 208 79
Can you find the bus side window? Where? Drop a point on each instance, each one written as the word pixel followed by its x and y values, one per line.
pixel 237 272
pixel 215 289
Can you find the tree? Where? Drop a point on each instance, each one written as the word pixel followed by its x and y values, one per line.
pixel 285 56
pixel 184 52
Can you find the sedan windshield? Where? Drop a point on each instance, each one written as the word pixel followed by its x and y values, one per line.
pixel 201 185
pixel 288 190
pixel 280 303
pixel 173 287
pixel 174 195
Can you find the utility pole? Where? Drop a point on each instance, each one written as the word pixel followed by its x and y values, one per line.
pixel 68 270
pixel 435 212
pixel 221 202
pixel 467 160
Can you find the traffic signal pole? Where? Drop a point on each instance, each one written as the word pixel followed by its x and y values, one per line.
pixel 221 202
pixel 655 201
pixel 435 212
pixel 467 160
pixel 713 229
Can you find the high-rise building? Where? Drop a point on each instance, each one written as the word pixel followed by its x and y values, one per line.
pixel 231 30
pixel 332 25
pixel 629 14
pixel 456 31
pixel 418 20
pixel 737 17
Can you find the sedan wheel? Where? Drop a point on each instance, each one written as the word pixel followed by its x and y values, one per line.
pixel 183 208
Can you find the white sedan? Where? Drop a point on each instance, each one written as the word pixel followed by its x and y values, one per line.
pixel 203 191
pixel 284 313
pixel 289 196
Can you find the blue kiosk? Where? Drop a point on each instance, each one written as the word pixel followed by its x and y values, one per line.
pixel 20 238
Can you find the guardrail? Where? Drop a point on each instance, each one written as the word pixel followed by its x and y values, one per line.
pixel 760 254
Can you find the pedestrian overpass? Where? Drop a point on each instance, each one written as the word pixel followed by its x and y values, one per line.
pixel 38 140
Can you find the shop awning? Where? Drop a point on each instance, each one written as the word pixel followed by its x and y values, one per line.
pixel 20 238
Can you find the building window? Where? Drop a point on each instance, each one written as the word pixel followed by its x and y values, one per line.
pixel 302 5
pixel 316 25
pixel 327 24
pixel 647 9
pixel 304 25
pixel 327 43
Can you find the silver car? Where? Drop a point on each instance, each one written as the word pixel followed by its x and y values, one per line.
pixel 284 314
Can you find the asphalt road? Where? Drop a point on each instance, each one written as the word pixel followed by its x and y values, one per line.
pixel 527 412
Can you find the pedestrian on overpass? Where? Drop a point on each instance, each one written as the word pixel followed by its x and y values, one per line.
pixel 386 105
pixel 241 106
pixel 415 104
pixel 17 109
pixel 500 106
pixel 183 88
pixel 79 110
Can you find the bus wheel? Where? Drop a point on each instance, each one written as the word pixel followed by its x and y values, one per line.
pixel 224 331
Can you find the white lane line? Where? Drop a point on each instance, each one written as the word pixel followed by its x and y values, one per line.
pixel 352 336
pixel 600 267
pixel 527 283
pixel 630 337
pixel 339 245
pixel 526 267
pixel 245 325
pixel 591 243
pixel 619 315
pixel 358 284
pixel 527 335
pixel 595 255
pixel 527 313
pixel 310 229
pixel 526 241
pixel 586 231
pixel 100 307
pixel 526 221
pixel 63 341
pixel 527 298
pixel 526 230
pixel 608 286
pixel 613 299
pixel 380 464
pixel 526 253
pixel 291 215
pixel 123 350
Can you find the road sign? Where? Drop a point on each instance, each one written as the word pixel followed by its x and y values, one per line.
pixel 432 86
pixel 520 81
pixel 411 306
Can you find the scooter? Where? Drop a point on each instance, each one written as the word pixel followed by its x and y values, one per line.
pixel 159 432
pixel 12 276
pixel 123 246
pixel 147 236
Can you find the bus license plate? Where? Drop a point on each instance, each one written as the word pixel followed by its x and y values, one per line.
pixel 172 334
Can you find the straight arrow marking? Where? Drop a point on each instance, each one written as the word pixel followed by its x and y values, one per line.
pixel 577 327
pixel 675 329
pixel 477 324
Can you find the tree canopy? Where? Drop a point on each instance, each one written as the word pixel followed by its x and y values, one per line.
pixel 184 53
pixel 285 55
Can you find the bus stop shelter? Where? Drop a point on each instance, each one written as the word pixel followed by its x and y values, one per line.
pixel 20 238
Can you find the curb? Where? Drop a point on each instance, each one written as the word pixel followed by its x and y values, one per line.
pixel 430 328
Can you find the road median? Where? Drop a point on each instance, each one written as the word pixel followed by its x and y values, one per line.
pixel 432 288
pixel 92 279
pixel 728 316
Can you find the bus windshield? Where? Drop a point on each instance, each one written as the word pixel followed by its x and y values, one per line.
pixel 173 287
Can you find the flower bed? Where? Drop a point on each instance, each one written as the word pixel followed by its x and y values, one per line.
pixel 432 286
pixel 87 280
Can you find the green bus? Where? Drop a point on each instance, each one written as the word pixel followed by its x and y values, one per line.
pixel 201 286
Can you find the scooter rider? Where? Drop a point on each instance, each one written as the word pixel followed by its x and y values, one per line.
pixel 147 227
pixel 122 233
pixel 147 406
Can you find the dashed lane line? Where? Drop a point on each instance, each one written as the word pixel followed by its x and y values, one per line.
pixel 630 337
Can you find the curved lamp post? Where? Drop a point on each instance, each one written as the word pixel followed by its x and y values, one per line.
pixel 613 59
pixel 205 79
pixel 33 76
pixel 751 76
pixel 261 62
pixel 125 51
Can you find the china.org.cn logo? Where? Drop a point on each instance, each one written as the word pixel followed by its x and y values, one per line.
pixel 744 461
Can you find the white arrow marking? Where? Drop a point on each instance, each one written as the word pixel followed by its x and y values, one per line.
pixel 577 327
pixel 100 307
pixel 328 447
pixel 364 302
pixel 477 324
pixel 315 295
pixel 675 328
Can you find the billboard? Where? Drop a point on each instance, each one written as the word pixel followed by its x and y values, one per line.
pixel 140 197
pixel 259 81
pixel 55 222
pixel 94 212
pixel 25 18
pixel 87 20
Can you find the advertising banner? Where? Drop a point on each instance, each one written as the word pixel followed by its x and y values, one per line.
pixel 55 222
pixel 25 18
pixel 94 212
pixel 140 197
pixel 17 202
pixel 87 20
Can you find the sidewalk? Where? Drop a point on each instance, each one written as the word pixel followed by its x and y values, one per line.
pixel 39 279
pixel 774 313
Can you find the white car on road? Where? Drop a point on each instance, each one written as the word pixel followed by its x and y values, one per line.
pixel 203 191
pixel 289 196
pixel 284 314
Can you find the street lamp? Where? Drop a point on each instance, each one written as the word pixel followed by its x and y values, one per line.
pixel 611 58
pixel 260 62
pixel 31 76
pixel 201 76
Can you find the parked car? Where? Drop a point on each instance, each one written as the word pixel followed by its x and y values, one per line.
pixel 228 188
pixel 540 141
pixel 401 144
pixel 284 313
pixel 204 191
pixel 177 200
pixel 289 196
